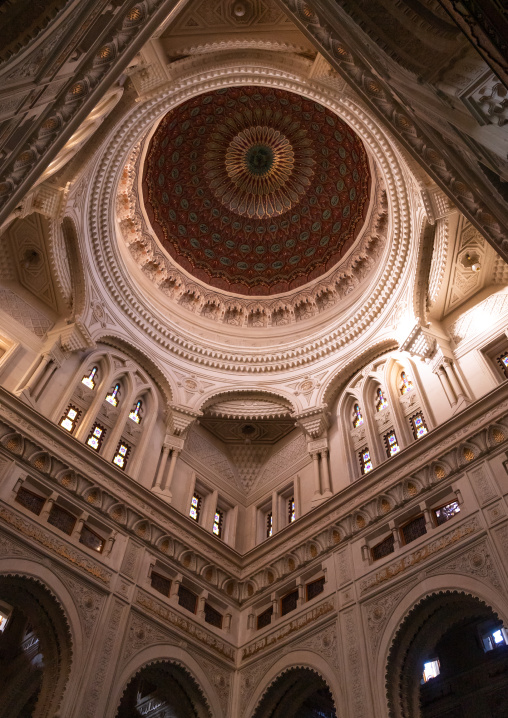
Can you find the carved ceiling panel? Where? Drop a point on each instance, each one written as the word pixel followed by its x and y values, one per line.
pixel 204 21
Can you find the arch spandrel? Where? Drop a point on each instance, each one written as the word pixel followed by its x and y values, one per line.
pixel 202 682
pixel 391 613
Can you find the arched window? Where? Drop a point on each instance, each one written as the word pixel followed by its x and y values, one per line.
pixel 405 383
pixel 135 414
pixel 113 396
pixel 381 402
pixel 357 416
pixel 89 380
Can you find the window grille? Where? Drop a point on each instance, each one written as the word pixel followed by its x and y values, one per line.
pixel 383 548
pixel 90 379
pixel 405 383
pixel 122 454
pixel 113 397
pixel 291 510
pixel 30 501
pixel 135 414
pixel 70 419
pixel 365 460
pixel 61 519
pixel 265 618
pixel 90 539
pixel 314 588
pixel 414 529
pixel 160 583
pixel 269 524
pixel 430 670
pixel 502 360
pixel 218 521
pixel 195 508
pixel 444 513
pixel 391 443
pixel 381 402
pixel 213 617
pixel 289 602
pixel 187 599
pixel 418 425
pixel 96 437
pixel 357 416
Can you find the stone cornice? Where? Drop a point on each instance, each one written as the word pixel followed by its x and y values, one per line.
pixel 213 354
pixel 48 452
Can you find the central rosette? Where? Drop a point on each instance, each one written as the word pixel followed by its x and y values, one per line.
pixel 260 172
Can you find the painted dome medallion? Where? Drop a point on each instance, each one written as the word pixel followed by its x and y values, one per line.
pixel 254 190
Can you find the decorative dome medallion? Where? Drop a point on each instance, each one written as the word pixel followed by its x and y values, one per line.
pixel 255 191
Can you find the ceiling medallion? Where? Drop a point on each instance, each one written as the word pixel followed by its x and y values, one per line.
pixel 254 190
pixel 259 172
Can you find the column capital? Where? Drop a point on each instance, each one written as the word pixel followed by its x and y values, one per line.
pixel 317 446
pixel 313 421
pixel 180 419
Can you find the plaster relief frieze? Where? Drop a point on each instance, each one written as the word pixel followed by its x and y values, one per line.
pixel 32 531
pixel 276 637
pixel 422 554
pixel 354 663
pixel 204 637
pixel 88 600
pixel 476 561
pixel 378 613
pixel 104 658
pixel 323 642
pixel 311 541
pixel 140 633
pixel 221 679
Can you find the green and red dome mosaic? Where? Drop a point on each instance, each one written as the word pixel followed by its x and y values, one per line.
pixel 255 190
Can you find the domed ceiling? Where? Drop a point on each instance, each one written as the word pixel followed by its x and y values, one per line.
pixel 255 190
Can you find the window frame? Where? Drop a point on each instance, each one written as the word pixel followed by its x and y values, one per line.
pixel 410 521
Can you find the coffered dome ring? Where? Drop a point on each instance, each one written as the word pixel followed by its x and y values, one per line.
pixel 107 255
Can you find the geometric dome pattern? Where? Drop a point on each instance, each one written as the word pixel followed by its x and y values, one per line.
pixel 254 190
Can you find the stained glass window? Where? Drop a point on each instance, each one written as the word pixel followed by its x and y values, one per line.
pixel 503 362
pixel 265 618
pixel 30 501
pixel 405 383
pixel 135 414
pixel 70 418
pixel 91 539
pixel 90 379
pixel 96 437
pixel 381 402
pixel 418 425
pixel 383 548
pixel 122 454
pixel 269 524
pixel 392 447
pixel 291 509
pixel 357 416
pixel 218 520
pixel 446 512
pixel 113 397
pixel 365 461
pixel 195 508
